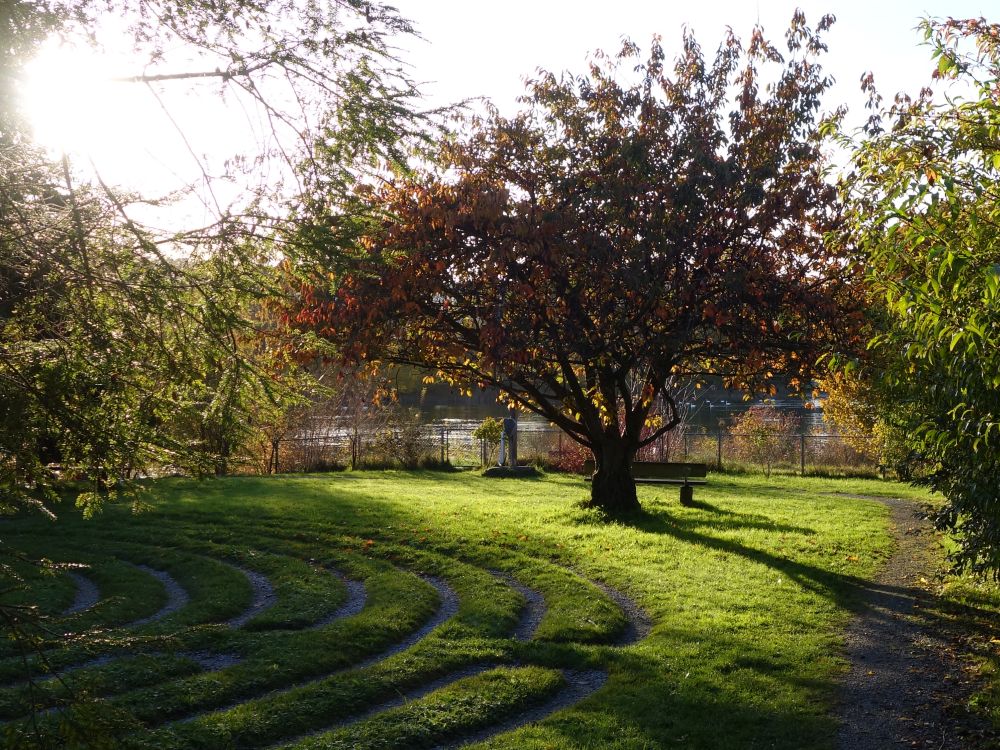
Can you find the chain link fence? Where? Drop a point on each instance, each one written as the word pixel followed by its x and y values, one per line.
pixel 789 452
pixel 439 445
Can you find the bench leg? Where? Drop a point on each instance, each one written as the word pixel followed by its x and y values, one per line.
pixel 687 495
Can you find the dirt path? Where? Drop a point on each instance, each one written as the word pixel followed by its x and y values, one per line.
pixel 177 597
pixel 87 594
pixel 908 683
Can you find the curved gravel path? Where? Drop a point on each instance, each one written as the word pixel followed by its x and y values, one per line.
pixel 906 686
pixel 177 597
pixel 447 609
pixel 638 623
pixel 86 596
pixel 533 610
pixel 579 684
pixel 400 700
pixel 357 597
pixel 263 597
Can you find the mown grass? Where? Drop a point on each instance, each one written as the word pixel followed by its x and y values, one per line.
pixel 747 593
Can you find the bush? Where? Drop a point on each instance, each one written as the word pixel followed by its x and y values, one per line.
pixel 402 443
pixel 760 435
pixel 489 433
pixel 569 457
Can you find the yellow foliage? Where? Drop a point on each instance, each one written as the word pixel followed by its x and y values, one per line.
pixel 857 409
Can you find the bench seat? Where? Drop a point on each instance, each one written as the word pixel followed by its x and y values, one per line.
pixel 656 480
pixel 658 472
pixel 662 472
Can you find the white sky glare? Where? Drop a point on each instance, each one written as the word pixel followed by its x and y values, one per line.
pixel 475 49
pixel 468 49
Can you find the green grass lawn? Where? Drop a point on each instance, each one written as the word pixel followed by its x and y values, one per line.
pixel 746 594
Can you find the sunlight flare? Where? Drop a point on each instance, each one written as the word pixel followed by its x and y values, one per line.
pixel 73 104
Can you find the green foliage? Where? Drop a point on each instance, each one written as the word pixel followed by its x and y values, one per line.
pixel 875 416
pixel 926 213
pixel 128 349
pixel 490 432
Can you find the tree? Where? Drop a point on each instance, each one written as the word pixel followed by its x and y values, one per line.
pixel 608 238
pixel 762 434
pixel 925 213
pixel 875 416
pixel 125 347
pixel 489 434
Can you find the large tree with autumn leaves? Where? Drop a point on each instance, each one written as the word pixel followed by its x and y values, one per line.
pixel 629 228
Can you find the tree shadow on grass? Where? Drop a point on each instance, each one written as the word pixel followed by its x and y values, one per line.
pixel 845 590
pixel 661 520
pixel 851 592
pixel 648 703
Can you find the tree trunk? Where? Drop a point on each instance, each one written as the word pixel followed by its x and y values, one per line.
pixel 612 487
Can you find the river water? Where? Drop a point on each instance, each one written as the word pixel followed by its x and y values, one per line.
pixel 460 415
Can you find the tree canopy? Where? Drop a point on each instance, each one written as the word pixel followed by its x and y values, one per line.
pixel 926 215
pixel 126 347
pixel 634 226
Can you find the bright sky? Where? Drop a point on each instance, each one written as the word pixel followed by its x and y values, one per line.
pixel 486 49
pixel 469 49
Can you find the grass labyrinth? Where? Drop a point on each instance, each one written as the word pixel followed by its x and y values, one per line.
pixel 424 610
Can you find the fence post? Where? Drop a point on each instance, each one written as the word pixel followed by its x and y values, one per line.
pixel 718 449
pixel 802 453
pixel 685 446
pixel 272 463
pixel 442 446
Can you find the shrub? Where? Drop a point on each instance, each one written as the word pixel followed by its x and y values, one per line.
pixel 489 433
pixel 760 435
pixel 402 443
pixel 569 457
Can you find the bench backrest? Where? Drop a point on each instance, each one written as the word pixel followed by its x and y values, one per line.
pixel 658 470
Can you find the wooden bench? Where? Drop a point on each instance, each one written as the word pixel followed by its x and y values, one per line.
pixel 657 472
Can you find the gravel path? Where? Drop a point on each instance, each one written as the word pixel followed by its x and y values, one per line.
pixel 211 661
pixel 87 594
pixel 400 700
pixel 533 611
pixel 638 622
pixel 579 684
pixel 177 597
pixel 263 597
pixel 447 609
pixel 906 685
pixel 355 602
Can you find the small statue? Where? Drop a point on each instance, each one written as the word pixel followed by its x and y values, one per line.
pixel 510 433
